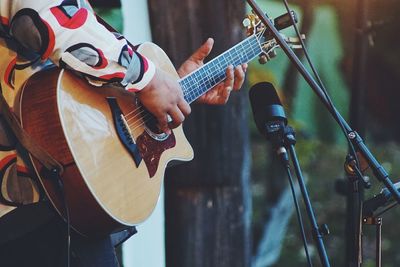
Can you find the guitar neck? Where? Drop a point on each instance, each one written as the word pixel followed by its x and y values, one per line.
pixel 206 77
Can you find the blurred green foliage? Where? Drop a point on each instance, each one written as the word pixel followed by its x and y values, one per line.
pixel 113 16
pixel 321 147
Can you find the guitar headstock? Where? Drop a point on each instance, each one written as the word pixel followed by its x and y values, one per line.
pixel 268 44
pixel 252 24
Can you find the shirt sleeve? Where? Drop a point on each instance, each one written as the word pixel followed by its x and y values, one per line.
pixel 68 33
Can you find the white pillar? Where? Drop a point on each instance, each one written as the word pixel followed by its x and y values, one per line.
pixel 136 21
pixel 147 247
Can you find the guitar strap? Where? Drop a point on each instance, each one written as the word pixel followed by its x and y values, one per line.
pixel 27 141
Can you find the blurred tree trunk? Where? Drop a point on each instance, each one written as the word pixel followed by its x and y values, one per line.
pixel 207 203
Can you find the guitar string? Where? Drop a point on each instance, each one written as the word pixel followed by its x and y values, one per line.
pixel 247 40
pixel 249 43
pixel 191 94
pixel 204 81
pixel 138 124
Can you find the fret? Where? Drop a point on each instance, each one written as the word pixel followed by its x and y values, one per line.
pixel 240 53
pixel 203 79
pixel 219 63
pixel 230 56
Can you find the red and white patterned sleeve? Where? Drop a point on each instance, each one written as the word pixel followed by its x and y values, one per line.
pixel 67 33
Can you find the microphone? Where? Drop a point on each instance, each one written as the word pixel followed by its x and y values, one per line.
pixel 380 203
pixel 284 21
pixel 268 112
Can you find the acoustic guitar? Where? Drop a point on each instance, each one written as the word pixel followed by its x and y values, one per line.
pixel 113 156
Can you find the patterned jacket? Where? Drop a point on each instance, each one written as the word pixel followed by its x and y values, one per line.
pixel 39 33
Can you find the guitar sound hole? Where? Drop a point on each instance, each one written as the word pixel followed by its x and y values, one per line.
pixel 151 123
pixel 152 128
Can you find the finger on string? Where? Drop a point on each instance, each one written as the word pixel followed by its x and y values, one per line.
pixel 245 67
pixel 229 77
pixel 163 123
pixel 223 98
pixel 177 118
pixel 207 97
pixel 239 78
pixel 184 107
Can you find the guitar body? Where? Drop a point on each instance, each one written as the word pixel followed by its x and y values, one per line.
pixel 110 182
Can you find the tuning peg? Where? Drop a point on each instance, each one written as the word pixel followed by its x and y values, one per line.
pixel 271 54
pixel 251 22
pixel 263 59
pixel 246 23
pixel 296 46
pixel 295 40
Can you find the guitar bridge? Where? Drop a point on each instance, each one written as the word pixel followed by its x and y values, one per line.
pixel 123 131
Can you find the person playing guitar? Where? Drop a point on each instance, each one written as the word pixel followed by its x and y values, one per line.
pixel 34 36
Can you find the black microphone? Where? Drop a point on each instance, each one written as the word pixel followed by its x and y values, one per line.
pixel 284 21
pixel 380 202
pixel 268 112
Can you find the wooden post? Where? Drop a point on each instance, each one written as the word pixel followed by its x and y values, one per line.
pixel 355 192
pixel 208 204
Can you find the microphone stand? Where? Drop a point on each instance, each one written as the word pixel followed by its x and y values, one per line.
pixel 289 142
pixel 371 215
pixel 372 211
pixel 378 170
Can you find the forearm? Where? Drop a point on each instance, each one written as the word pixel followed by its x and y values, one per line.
pixel 71 37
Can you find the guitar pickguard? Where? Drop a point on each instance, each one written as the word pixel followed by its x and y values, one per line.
pixel 145 148
pixel 151 150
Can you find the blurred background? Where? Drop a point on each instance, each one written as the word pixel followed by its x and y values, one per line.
pixel 231 205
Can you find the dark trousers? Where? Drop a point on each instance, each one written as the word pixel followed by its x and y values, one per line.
pixel 46 246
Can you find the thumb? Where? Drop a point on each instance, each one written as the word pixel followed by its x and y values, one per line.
pixel 203 51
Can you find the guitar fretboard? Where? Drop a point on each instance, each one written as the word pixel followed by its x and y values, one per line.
pixel 203 79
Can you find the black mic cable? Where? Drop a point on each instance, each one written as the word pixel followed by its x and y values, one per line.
pixel 298 212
